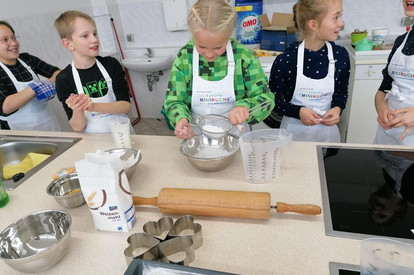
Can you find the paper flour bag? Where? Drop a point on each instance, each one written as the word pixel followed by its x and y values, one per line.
pixel 105 188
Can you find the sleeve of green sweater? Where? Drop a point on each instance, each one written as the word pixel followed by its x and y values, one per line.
pixel 251 84
pixel 177 102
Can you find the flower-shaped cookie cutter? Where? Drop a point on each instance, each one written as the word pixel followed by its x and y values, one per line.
pixel 166 241
pixel 142 246
pixel 185 226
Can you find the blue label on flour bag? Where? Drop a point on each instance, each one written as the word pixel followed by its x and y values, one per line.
pixel 248 28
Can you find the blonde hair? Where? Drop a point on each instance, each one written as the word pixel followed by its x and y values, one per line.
pixel 306 10
pixel 215 16
pixel 64 23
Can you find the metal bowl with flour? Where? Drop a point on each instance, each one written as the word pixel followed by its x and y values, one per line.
pixel 210 154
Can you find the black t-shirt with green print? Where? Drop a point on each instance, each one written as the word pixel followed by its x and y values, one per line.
pixel 93 82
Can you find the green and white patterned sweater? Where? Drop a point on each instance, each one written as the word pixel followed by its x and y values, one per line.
pixel 250 82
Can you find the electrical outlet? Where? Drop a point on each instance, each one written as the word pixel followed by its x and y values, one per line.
pixel 407 21
pixel 130 37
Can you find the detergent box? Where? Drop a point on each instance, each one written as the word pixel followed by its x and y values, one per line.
pixel 278 34
pixel 248 29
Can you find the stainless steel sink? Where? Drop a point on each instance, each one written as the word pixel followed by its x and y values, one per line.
pixel 13 149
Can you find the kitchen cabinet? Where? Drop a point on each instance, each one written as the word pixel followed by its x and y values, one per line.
pixel 362 124
pixel 359 120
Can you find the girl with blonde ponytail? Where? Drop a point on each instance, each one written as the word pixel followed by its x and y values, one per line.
pixel 310 79
pixel 215 74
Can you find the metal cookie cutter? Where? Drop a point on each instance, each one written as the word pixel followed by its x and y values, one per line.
pixel 177 250
pixel 160 228
pixel 166 240
pixel 141 246
pixel 185 226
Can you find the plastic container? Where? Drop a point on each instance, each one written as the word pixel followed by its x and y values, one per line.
pixel 121 132
pixel 378 36
pixel 4 197
pixel 262 153
pixel 357 36
pixel 381 256
pixel 364 45
pixel 248 27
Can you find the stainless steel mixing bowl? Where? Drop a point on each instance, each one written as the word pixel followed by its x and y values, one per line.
pixel 66 191
pixel 36 242
pixel 210 154
pixel 124 155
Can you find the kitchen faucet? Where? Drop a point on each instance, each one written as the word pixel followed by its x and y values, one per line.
pixel 149 53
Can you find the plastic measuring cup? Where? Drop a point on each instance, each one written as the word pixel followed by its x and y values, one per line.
pixel 381 256
pixel 121 131
pixel 262 153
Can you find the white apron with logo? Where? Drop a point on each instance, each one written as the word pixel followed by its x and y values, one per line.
pixel 315 94
pixel 214 97
pixel 401 69
pixel 35 115
pixel 98 122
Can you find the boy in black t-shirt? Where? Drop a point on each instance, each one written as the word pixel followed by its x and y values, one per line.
pixel 92 89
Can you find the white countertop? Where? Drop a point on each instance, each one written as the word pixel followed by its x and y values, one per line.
pixel 284 244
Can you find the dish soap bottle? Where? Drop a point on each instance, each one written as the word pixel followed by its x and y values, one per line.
pixel 4 197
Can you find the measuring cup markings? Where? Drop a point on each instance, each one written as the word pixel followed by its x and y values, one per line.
pixel 381 256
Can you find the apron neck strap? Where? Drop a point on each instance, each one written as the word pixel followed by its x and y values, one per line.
pixel 301 58
pixel 230 60
pixel 11 75
pixel 78 82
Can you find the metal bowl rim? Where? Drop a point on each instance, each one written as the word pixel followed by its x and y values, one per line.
pixel 66 235
pixel 52 184
pixel 135 152
pixel 210 159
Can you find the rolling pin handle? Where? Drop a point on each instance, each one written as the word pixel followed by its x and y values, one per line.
pixel 145 201
pixel 307 209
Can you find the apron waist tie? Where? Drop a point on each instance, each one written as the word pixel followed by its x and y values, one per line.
pixel 396 94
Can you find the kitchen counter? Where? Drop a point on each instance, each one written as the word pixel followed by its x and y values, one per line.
pixel 285 244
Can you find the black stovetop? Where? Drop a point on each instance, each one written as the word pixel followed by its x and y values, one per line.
pixel 367 192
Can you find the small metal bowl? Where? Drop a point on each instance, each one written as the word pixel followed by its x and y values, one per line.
pixel 36 242
pixel 210 154
pixel 124 155
pixel 67 191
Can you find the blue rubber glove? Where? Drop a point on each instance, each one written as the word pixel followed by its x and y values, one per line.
pixel 44 89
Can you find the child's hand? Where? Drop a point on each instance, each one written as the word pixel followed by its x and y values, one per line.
pixel 384 117
pixel 43 89
pixel 238 115
pixel 309 117
pixel 331 117
pixel 183 129
pixel 78 103
pixel 403 118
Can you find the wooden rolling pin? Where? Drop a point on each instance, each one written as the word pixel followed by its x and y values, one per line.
pixel 220 203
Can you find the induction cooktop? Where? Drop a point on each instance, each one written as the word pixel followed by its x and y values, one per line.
pixel 367 192
pixel 343 269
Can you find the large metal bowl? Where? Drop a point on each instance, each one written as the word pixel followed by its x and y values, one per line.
pixel 125 154
pixel 210 154
pixel 66 191
pixel 36 242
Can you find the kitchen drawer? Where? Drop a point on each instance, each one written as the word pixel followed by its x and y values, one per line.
pixel 369 71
